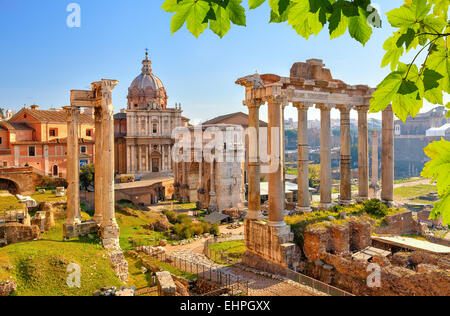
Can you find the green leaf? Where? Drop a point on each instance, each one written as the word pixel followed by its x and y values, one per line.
pixel 236 12
pixel 439 167
pixel 358 27
pixel 253 4
pixel 340 28
pixel 386 91
pixel 401 17
pixel 303 21
pixel 439 61
pixel 393 53
pixel 193 12
pixel 170 6
pixel 420 8
pixel 221 25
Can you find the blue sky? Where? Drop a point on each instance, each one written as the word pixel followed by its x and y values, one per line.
pixel 41 59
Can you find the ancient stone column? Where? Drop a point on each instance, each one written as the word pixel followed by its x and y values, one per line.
pixel 387 157
pixel 212 207
pixel 276 185
pixel 325 156
pixel 303 197
pixel 140 158
pixel 374 187
pixel 363 153
pixel 109 230
pixel 346 172
pixel 254 195
pixel 73 167
pixel 98 217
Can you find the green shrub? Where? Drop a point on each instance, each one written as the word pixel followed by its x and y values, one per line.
pixel 215 230
pixel 184 219
pixel 171 216
pixel 375 208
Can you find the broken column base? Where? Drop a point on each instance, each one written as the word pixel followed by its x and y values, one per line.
pixel 110 236
pixel 325 206
pixel 374 191
pixel 270 248
pixel 79 229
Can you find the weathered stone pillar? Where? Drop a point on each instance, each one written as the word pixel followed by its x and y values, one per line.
pixel 363 153
pixel 303 197
pixel 374 187
pixel 254 195
pixel 99 164
pixel 212 207
pixel 109 229
pixel 346 172
pixel 185 186
pixel 325 156
pixel 276 185
pixel 387 160
pixel 73 167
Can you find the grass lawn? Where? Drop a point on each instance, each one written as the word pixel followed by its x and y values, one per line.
pixel 234 249
pixel 40 266
pixel 132 228
pixel 414 191
pixel 48 196
pixel 8 203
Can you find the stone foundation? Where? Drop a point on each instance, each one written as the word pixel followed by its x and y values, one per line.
pixel 414 274
pixel 269 248
pixel 120 265
pixel 337 239
pixel 399 224
pixel 79 229
pixel 15 232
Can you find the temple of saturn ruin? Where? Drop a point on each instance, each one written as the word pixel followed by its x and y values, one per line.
pixel 100 99
pixel 270 244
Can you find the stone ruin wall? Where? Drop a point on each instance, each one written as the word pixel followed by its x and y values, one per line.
pixel 270 248
pixel 337 239
pixel 228 185
pixel 329 259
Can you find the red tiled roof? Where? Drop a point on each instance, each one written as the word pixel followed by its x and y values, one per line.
pixel 58 116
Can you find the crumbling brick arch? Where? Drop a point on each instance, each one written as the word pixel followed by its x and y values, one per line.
pixel 10 186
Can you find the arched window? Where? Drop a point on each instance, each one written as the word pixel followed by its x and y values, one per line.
pixel 397 130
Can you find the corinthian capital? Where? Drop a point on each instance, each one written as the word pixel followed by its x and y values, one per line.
pixel 324 106
pixel 362 108
pixel 343 108
pixel 72 113
pixel 277 99
pixel 253 103
pixel 302 105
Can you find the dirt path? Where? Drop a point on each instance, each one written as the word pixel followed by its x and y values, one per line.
pixel 413 183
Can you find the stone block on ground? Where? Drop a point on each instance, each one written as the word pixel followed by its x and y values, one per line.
pixel 166 285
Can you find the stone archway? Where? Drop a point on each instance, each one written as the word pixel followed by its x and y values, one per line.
pixel 9 185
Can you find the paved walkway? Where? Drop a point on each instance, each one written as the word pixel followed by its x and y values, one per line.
pixel 258 285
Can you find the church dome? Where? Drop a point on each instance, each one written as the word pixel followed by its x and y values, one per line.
pixel 147 78
pixel 147 91
pixel 143 81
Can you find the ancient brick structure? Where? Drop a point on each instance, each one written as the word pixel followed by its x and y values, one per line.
pixel 212 181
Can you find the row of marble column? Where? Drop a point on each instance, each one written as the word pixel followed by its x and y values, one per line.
pixel 276 179
pixel 104 167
